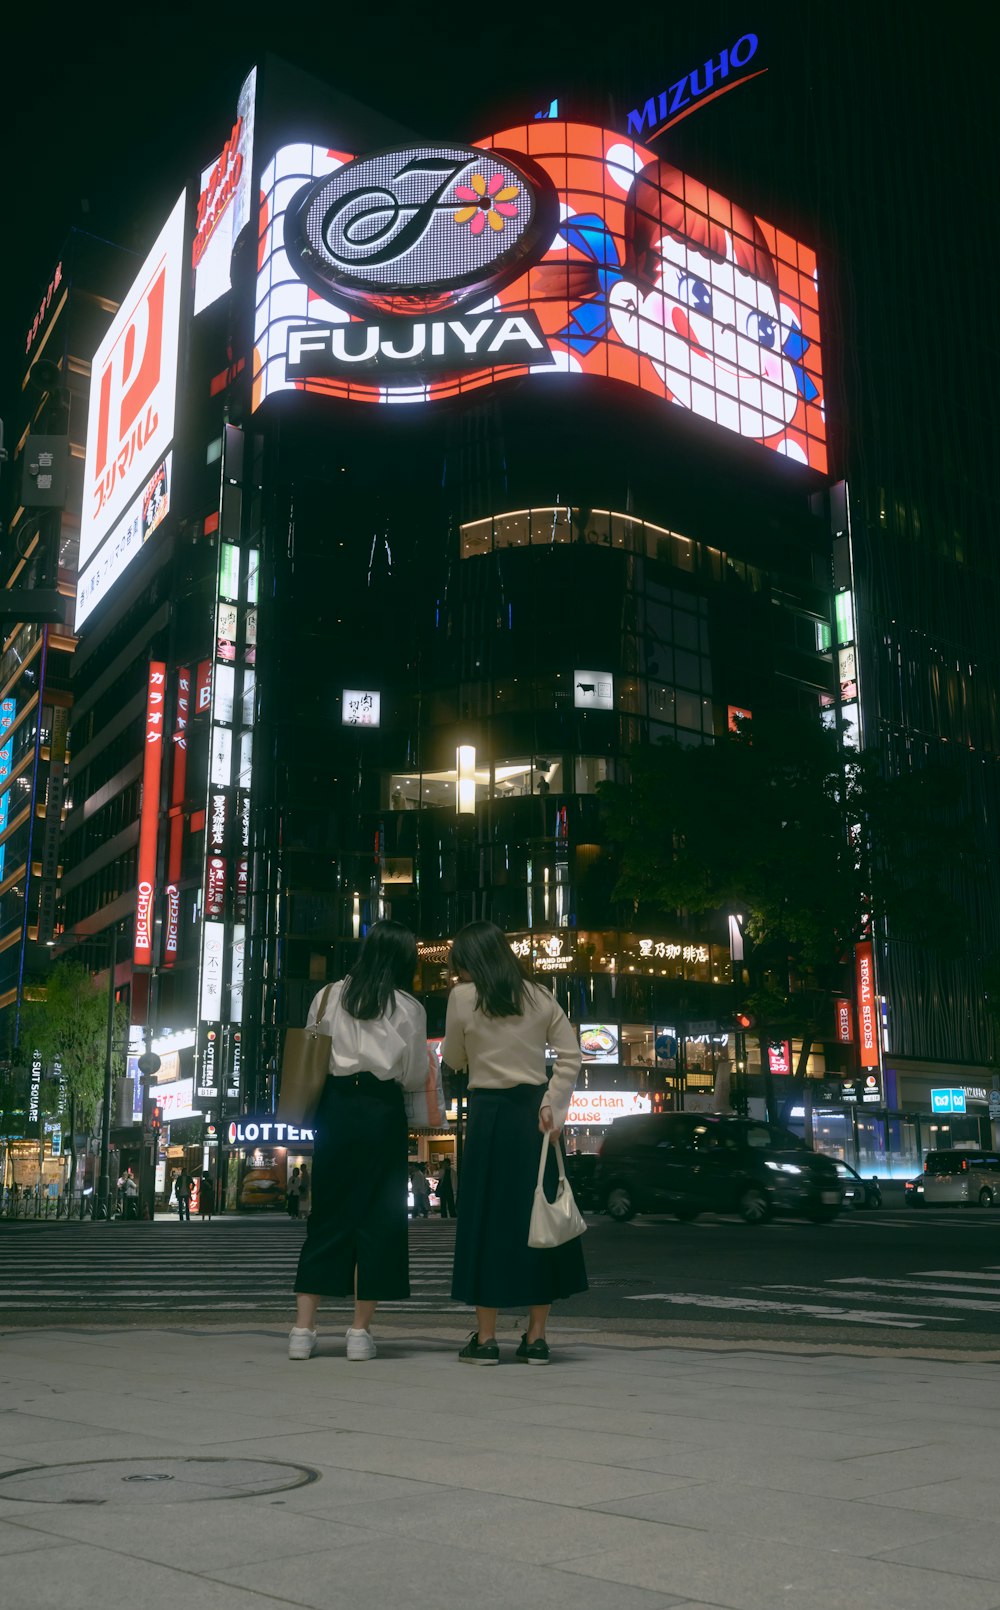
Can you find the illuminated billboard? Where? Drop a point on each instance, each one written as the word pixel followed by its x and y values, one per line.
pixel 623 267
pixel 133 391
pixel 224 204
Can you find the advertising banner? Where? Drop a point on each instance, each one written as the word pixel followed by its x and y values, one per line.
pixel 845 1027
pixel 133 389
pixel 867 1006
pixel 580 251
pixel 8 712
pixel 142 951
pixel 224 204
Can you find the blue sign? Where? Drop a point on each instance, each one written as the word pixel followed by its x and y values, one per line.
pixel 8 711
pixel 947 1101
pixel 681 98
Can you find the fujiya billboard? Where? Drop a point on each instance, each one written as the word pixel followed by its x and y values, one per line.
pixel 133 392
pixel 426 271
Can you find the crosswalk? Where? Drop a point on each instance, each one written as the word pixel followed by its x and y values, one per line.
pixel 226 1266
pixel 923 1299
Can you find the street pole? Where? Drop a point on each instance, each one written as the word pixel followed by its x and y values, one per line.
pixel 103 1183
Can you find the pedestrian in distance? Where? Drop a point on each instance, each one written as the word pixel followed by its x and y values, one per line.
pixel 206 1196
pixel 292 1195
pixel 130 1194
pixel 421 1192
pixel 356 1239
pixel 304 1189
pixel 498 1025
pixel 446 1190
pixel 183 1189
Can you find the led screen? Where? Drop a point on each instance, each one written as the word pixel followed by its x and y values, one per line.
pixel 651 279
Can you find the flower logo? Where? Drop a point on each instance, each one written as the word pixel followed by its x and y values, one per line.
pixel 490 203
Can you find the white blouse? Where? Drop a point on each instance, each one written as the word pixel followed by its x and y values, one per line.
pixel 503 1051
pixel 391 1047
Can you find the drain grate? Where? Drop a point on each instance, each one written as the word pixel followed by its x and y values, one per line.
pixel 144 1481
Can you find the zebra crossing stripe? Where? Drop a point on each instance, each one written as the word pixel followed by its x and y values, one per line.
pixel 760 1305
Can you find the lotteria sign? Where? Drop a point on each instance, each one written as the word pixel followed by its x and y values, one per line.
pixel 426 271
pixel 264 1130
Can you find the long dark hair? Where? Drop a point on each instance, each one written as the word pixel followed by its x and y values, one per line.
pixel 386 963
pixel 483 951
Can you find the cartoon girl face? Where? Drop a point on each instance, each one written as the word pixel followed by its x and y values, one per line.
pixel 699 300
pixel 713 333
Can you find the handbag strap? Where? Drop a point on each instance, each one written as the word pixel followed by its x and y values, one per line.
pixel 316 1028
pixel 549 1139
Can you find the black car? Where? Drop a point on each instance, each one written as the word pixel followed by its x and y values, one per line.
pixel 859 1192
pixel 691 1163
pixel 581 1171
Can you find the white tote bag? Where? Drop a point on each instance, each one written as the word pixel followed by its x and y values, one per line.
pixel 553 1223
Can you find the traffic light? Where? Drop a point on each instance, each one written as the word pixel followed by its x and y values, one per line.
pixel 152 1115
pixel 745 1020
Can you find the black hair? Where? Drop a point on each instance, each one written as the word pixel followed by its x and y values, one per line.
pixel 386 963
pixel 483 951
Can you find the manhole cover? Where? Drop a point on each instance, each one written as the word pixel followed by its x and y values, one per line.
pixel 159 1481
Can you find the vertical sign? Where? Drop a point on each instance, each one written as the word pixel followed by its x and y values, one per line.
pixel 779 1056
pixel 53 823
pixel 142 954
pixel 845 1031
pixel 867 1007
pixel 35 1089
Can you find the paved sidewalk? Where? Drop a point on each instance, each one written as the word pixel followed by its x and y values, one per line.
pixel 632 1476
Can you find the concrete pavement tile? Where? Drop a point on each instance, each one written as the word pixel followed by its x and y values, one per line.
pixel 558 1481
pixel 77 1577
pixel 514 1528
pixel 397 1568
pixel 965 1497
pixel 965 1550
pixel 16 1539
pixel 201 1537
pixel 757 1574
pixel 841 1526
pixel 833 1478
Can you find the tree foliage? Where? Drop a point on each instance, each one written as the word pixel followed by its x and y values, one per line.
pixel 806 842
pixel 69 1025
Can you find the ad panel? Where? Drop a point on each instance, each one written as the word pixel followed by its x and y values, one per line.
pixel 133 389
pixel 142 951
pixel 388 280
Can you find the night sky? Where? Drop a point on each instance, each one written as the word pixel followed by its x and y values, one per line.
pixel 873 135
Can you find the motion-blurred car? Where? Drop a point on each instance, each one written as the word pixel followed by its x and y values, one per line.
pixel 581 1171
pixel 913 1192
pixel 962 1177
pixel 859 1192
pixel 260 1190
pixel 691 1163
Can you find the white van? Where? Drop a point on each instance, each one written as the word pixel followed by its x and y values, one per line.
pixel 969 1177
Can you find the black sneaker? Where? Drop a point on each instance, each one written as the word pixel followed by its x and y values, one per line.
pixel 536 1352
pixel 477 1352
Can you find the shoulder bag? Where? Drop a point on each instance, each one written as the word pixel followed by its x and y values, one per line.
pixel 426 1108
pixel 305 1063
pixel 553 1223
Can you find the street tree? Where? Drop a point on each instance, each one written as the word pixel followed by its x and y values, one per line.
pixel 67 1024
pixel 804 842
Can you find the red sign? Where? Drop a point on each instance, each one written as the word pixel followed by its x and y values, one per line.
pixel 218 192
pixel 867 1006
pixel 203 688
pixel 46 302
pixel 845 1028
pixel 779 1056
pixel 735 716
pixel 173 925
pixel 215 887
pixel 142 952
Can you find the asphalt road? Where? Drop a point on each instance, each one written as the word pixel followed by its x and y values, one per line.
pixel 893 1277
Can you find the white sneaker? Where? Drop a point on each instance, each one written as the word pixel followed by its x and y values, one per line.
pixel 360 1344
pixel 301 1343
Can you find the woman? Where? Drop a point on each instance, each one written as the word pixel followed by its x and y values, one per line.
pixel 292 1195
pixel 356 1240
pixel 304 1191
pixel 498 1026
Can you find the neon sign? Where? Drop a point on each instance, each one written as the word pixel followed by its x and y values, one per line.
pixel 647 277
pixel 690 92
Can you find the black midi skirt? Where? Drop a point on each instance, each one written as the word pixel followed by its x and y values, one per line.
pixel 358 1215
pixel 494 1266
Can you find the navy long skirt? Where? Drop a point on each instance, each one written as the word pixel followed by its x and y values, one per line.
pixel 494 1266
pixel 358 1217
